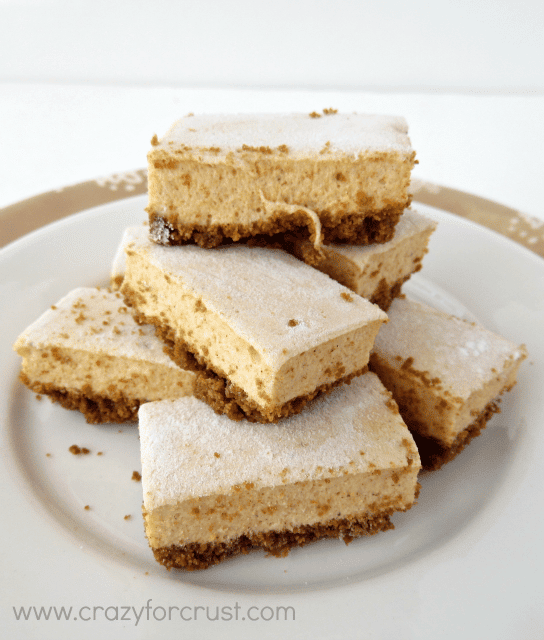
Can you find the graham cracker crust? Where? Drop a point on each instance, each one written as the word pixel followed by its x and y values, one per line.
pixel 435 454
pixel 350 228
pixel 195 556
pixel 386 293
pixel 212 385
pixel 96 409
pixel 226 398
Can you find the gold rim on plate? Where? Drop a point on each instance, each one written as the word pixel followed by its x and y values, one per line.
pixel 23 217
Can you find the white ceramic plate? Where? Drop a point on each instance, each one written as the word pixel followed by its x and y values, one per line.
pixel 465 562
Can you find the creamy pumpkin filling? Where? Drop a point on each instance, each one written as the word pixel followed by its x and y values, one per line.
pixel 207 480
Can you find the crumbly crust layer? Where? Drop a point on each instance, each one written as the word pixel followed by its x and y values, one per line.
pixel 434 454
pixel 226 398
pixel 386 293
pixel 196 556
pixel 352 228
pixel 97 409
pixel 214 388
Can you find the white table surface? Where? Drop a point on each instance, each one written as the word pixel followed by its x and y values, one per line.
pixel 55 135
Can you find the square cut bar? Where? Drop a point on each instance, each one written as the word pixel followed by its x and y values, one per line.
pixel 267 331
pixel 88 353
pixel 378 271
pixel 331 177
pixel 446 375
pixel 215 488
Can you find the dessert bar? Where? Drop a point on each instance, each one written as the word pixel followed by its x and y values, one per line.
pixel 376 271
pixel 446 375
pixel 329 177
pixel 87 353
pixel 214 488
pixel 266 331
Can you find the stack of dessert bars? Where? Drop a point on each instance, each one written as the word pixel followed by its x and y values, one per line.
pixel 270 271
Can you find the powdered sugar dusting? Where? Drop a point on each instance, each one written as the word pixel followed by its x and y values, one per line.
pixel 472 348
pixel 94 320
pixel 462 355
pixel 352 428
pixel 160 231
pixel 303 135
pixel 258 291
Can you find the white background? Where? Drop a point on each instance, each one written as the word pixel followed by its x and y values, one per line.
pixel 424 44
pixel 84 85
